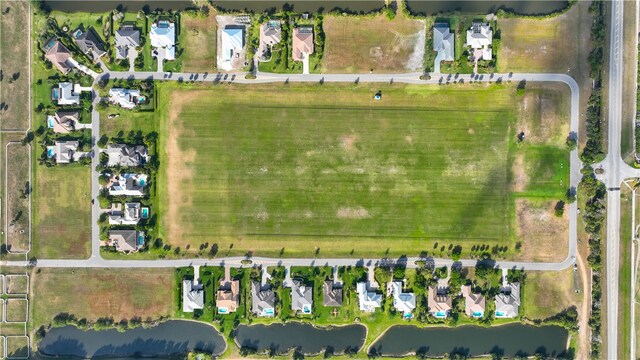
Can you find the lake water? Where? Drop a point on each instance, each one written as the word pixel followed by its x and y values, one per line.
pixel 357 6
pixel 509 340
pixel 175 337
pixel 310 340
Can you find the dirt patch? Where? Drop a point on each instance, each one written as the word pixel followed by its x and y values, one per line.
pixel 520 176
pixel 543 235
pixel 121 294
pixel 544 114
pixel 14 52
pixel 17 284
pixel 359 44
pixel 18 198
pixel 348 142
pixel 353 213
pixel 199 42
pixel 178 165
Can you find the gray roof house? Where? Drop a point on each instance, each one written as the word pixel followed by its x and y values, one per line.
pixel 332 296
pixel 126 155
pixel 129 216
pixel 301 297
pixel 126 240
pixel 263 300
pixel 192 296
pixel 90 43
pixel 508 301
pixel 443 41
pixel 65 151
pixel 127 37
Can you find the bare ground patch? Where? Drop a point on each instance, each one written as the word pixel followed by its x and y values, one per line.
pixel 18 194
pixel 120 294
pixel 17 284
pixel 352 213
pixel 179 166
pixel 199 42
pixel 14 55
pixel 544 114
pixel 16 310
pixel 520 175
pixel 358 44
pixel 543 235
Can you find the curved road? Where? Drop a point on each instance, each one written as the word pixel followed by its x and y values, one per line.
pixel 411 78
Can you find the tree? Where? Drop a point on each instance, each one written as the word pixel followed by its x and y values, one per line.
pixel 559 208
pixel 571 143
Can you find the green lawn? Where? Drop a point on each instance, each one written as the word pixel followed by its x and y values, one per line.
pixel 127 121
pixel 62 211
pixel 311 169
pixel 624 309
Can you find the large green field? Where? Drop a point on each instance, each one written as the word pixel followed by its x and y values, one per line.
pixel 328 170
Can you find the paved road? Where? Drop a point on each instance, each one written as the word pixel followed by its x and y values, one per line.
pixel 615 171
pixel 414 78
pixel 95 184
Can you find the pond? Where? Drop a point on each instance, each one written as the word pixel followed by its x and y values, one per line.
pixel 358 6
pixel 308 339
pixel 175 337
pixel 509 340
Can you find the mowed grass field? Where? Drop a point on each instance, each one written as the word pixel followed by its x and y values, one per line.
pixel 359 44
pixel 199 34
pixel 14 55
pixel 117 293
pixel 303 170
pixel 17 197
pixel 62 212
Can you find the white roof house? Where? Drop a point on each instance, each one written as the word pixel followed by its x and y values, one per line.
pixel 443 43
pixel 128 185
pixel 126 98
pixel 508 301
pixel 368 300
pixel 163 36
pixel 480 37
pixel 129 216
pixel 232 42
pixel 192 296
pixel 404 302
pixel 65 95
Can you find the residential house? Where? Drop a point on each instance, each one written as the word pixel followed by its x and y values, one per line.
pixel 63 122
pixel 228 296
pixel 474 303
pixel 163 39
pixel 403 302
pixel 332 295
pixel 65 94
pixel 301 297
pixel 59 56
pixel 90 43
pixel 126 38
pixel 270 35
pixel 128 184
pixel 302 42
pixel 480 38
pixel 130 215
pixel 263 300
pixel 126 155
pixel 368 301
pixel 126 240
pixel 192 296
pixel 508 301
pixel 443 43
pixel 126 98
pixel 65 151
pixel 438 302
pixel 232 42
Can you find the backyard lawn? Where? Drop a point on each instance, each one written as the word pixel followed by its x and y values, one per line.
pixel 62 211
pixel 359 44
pixel 119 294
pixel 304 172
pixel 547 293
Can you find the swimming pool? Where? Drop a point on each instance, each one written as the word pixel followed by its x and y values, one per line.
pixel 500 313
pixel 140 239
pixel 50 151
pixel 145 213
pixel 223 310
pixel 306 309
pixel 478 314
pixel 141 182
pixel 441 314
pixel 268 311
pixel 50 121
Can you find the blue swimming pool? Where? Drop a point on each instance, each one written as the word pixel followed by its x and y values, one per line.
pixel 140 240
pixel 145 213
pixel 477 314
pixel 499 313
pixel 306 309
pixel 141 182
pixel 441 314
pixel 223 310
pixel 50 152
pixel 268 311
pixel 50 122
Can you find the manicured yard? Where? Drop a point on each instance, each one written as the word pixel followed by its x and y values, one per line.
pixel 62 211
pixel 119 294
pixel 127 121
pixel 14 52
pixel 304 172
pixel 359 44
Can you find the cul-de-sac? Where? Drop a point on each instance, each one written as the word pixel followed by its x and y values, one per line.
pixel 233 179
